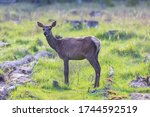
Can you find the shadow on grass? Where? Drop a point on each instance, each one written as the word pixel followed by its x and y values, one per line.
pixel 59 88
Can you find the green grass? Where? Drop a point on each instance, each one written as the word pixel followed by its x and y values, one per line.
pixel 125 51
pixel 1 71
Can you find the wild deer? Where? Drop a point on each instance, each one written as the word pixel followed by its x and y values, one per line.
pixel 74 49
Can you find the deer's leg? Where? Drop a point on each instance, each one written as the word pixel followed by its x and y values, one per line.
pixel 66 71
pixel 98 73
pixel 94 62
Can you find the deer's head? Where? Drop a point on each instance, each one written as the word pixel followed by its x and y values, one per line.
pixel 47 29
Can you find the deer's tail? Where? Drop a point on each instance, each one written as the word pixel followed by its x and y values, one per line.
pixel 97 44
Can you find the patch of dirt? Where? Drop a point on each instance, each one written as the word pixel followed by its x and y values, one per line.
pixel 140 96
pixel 141 81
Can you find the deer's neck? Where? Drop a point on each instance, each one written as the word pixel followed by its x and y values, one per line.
pixel 53 42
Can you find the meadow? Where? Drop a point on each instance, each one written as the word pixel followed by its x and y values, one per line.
pixel 125 51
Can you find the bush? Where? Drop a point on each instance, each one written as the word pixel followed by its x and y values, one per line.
pixel 148 3
pixel 109 3
pixel 132 2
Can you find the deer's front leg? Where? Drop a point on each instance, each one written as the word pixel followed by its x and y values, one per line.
pixel 66 71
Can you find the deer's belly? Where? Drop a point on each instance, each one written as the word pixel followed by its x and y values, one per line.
pixel 75 57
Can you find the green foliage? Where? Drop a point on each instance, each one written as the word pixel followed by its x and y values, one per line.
pixel 148 3
pixel 20 53
pixel 132 2
pixel 39 42
pixel 1 71
pixel 33 48
pixel 109 3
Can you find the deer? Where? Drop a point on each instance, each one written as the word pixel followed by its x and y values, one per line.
pixel 71 48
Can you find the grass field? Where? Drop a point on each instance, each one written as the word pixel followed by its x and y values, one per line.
pixel 125 51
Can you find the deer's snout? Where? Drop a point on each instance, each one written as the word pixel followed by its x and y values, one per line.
pixel 45 33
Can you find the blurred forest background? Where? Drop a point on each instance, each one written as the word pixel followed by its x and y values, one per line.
pixel 101 2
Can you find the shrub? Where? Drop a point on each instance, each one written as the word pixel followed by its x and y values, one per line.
pixel 109 3
pixel 148 3
pixel 132 2
pixel 34 48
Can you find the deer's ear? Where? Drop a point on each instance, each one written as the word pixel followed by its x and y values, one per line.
pixel 53 24
pixel 40 24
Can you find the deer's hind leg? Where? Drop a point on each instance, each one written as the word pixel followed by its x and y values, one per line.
pixel 94 62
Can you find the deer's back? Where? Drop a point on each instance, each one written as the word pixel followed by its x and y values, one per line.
pixel 79 48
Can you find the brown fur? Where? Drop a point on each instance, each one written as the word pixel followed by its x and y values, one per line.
pixel 74 49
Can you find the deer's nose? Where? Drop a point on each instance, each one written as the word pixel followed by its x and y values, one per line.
pixel 45 33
